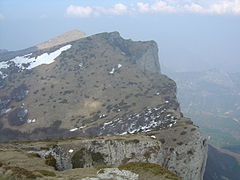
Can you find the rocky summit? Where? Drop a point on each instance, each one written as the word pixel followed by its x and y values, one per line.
pixel 106 94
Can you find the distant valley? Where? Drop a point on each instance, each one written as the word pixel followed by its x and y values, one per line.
pixel 212 100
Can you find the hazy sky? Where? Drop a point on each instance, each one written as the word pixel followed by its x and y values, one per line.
pixel 191 34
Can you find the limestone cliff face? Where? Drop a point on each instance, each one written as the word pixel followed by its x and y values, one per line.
pixel 185 157
pixel 144 54
pixel 149 60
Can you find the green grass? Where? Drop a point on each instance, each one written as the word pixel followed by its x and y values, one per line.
pixel 141 167
pixel 50 161
pixel 21 172
pixel 46 173
pixel 79 158
pixel 33 155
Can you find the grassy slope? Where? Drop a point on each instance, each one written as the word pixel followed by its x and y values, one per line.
pixel 76 98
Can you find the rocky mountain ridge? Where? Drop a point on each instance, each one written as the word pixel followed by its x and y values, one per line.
pixel 95 88
pixel 101 85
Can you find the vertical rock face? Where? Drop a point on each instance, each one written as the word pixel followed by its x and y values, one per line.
pixel 186 159
pixel 144 54
pixel 149 60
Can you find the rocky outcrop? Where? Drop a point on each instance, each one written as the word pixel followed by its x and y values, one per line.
pixel 149 60
pixel 144 54
pixel 186 159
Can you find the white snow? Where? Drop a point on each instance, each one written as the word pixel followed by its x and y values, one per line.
pixel 119 66
pixel 102 116
pixel 4 76
pixel 81 127
pixel 123 133
pixel 166 101
pixel 28 55
pixel 112 71
pixel 110 122
pixel 70 150
pixel 8 110
pixel 153 137
pixel 123 53
pixel 31 120
pixel 235 119
pixel 74 129
pixel 34 62
pixel 42 59
pixel 3 65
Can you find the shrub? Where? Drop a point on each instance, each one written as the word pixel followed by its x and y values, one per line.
pixel 79 158
pixel 134 141
pixel 33 155
pixel 21 172
pixel 180 143
pixel 46 173
pixel 50 161
pixel 162 140
pixel 56 124
pixel 183 132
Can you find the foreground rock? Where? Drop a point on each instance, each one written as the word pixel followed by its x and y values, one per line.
pixel 181 149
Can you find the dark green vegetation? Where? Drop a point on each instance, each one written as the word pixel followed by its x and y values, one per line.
pixel 221 166
pixel 46 173
pixel 33 155
pixel 21 172
pixel 212 100
pixel 140 167
pixel 84 156
pixel 50 160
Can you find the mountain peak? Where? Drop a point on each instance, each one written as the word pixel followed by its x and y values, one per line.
pixel 68 36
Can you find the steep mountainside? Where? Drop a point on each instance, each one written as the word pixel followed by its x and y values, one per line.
pixel 94 83
pixel 101 85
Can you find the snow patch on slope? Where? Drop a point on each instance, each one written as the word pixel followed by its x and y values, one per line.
pixel 24 62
